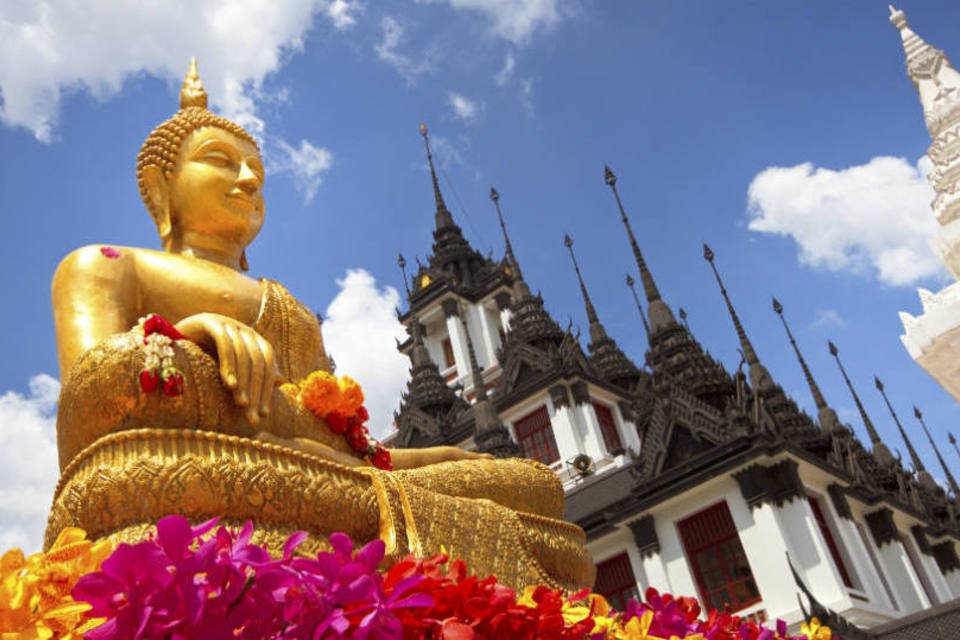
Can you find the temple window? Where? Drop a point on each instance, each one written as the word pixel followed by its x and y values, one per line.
pixel 717 559
pixel 535 436
pixel 608 428
pixel 448 360
pixel 616 582
pixel 828 537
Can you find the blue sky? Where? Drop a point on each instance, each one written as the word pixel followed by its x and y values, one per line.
pixel 689 102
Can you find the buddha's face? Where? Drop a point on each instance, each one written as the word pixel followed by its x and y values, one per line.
pixel 217 187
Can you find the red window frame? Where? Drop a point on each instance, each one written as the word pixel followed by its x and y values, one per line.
pixel 831 542
pixel 616 582
pixel 535 436
pixel 717 559
pixel 448 353
pixel 608 428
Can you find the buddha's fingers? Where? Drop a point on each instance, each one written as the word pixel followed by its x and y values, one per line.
pixel 255 380
pixel 241 393
pixel 269 375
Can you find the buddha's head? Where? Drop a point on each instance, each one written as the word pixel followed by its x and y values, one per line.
pixel 201 178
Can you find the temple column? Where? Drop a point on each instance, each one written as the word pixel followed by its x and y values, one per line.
pixel 458 340
pixel 948 563
pixel 503 308
pixel 589 430
pixel 809 551
pixel 490 335
pixel 654 572
pixel 564 423
pixel 870 581
pixel 893 557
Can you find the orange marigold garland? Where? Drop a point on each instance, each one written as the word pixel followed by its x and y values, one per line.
pixel 339 403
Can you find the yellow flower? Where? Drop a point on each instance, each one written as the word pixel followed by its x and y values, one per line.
pixel 816 631
pixel 290 389
pixel 352 395
pixel 320 393
pixel 35 599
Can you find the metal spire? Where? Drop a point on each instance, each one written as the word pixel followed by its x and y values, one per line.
pixel 683 318
pixel 880 450
pixel 660 314
pixel 946 470
pixel 643 316
pixel 759 377
pixel 826 415
pixel 591 311
pixel 953 441
pixel 511 258
pixel 402 263
pixel 443 217
pixel 917 462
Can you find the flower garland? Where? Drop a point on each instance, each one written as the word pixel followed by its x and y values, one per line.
pixel 211 582
pixel 158 370
pixel 339 403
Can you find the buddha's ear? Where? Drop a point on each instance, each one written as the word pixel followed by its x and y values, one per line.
pixel 158 193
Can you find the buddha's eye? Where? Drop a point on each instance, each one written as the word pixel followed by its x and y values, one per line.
pixel 216 158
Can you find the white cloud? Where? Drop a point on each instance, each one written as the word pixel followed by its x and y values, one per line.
pixel 307 164
pixel 52 47
pixel 506 72
pixel 393 35
pixel 829 318
pixel 866 218
pixel 516 20
pixel 342 13
pixel 359 332
pixel 526 97
pixel 28 463
pixel 463 107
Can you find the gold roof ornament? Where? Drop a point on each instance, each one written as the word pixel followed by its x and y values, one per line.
pixel 192 93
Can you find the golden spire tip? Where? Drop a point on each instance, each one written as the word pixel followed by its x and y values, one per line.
pixel 192 93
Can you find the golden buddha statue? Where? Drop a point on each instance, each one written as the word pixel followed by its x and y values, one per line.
pixel 231 443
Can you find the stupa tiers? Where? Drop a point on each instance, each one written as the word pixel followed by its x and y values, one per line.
pixel 933 338
pixel 683 475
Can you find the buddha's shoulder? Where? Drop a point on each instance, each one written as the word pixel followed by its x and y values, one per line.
pixel 99 259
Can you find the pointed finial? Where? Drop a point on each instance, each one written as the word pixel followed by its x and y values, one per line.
pixel 511 258
pixel 192 93
pixel 827 417
pixel 479 386
pixel 660 314
pixel 402 263
pixel 943 465
pixel 596 329
pixel 683 318
pixel 758 374
pixel 917 462
pixel 880 450
pixel 443 217
pixel 643 316
pixel 608 176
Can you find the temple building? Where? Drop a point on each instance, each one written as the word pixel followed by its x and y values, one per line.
pixel 685 476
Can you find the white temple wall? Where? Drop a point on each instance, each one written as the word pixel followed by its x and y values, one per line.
pixel 903 580
pixel 588 430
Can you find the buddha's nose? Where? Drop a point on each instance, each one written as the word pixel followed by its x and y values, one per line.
pixel 247 179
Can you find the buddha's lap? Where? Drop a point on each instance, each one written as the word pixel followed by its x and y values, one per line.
pixel 102 396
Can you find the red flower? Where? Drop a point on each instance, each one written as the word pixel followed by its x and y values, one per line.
pixel 336 422
pixel 381 459
pixel 149 380
pixel 173 384
pixel 362 415
pixel 110 252
pixel 357 438
pixel 159 324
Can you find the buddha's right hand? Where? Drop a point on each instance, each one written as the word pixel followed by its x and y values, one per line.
pixel 247 363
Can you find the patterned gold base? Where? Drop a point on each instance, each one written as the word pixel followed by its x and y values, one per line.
pixel 119 486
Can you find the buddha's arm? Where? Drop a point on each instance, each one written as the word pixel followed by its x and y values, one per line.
pixel 94 297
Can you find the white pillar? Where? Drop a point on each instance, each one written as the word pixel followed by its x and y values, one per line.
pixel 870 582
pixel 937 579
pixel 904 582
pixel 953 579
pixel 491 336
pixel 458 341
pixel 655 575
pixel 589 431
pixel 766 550
pixel 809 551
pixel 565 430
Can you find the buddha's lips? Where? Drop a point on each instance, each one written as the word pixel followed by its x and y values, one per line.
pixel 242 197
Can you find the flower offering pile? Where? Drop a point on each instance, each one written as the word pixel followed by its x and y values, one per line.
pixel 208 581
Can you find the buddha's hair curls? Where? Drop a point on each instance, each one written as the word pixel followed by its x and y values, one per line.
pixel 162 147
